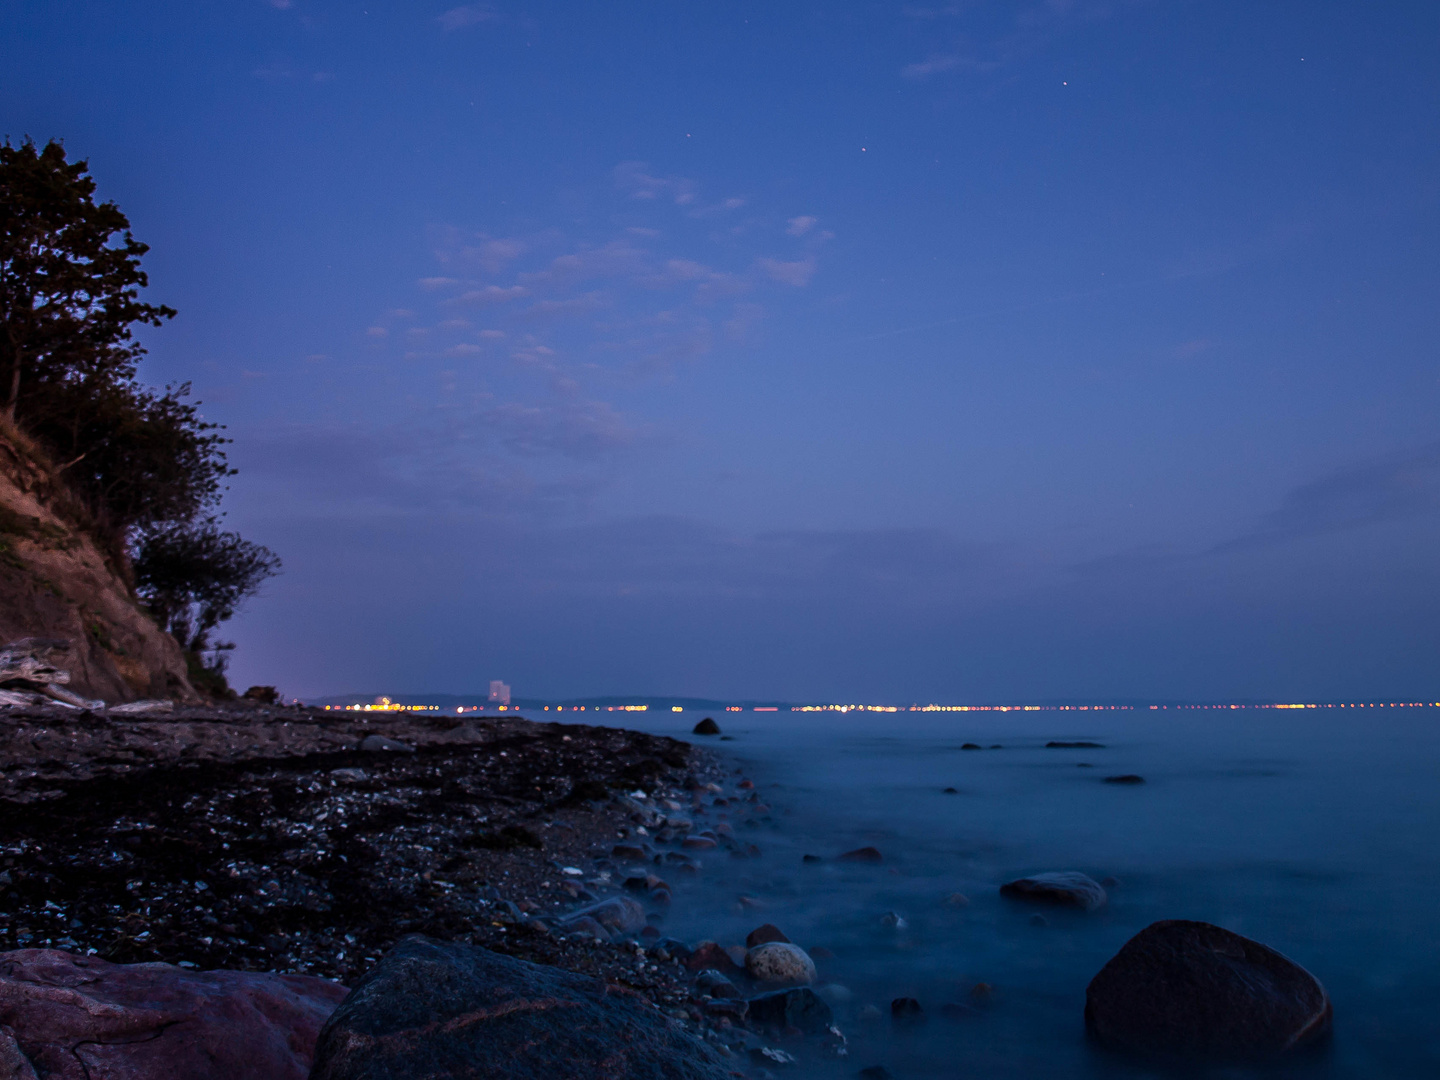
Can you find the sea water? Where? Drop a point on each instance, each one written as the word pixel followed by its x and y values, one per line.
pixel 1314 831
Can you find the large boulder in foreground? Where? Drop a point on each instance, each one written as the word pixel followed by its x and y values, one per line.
pixel 1191 990
pixel 1067 888
pixel 68 1017
pixel 439 1010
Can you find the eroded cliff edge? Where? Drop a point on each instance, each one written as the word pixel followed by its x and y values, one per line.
pixel 55 582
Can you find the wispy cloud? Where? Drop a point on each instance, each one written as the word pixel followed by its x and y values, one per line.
pixel 1393 488
pixel 634 178
pixel 799 226
pixel 797 272
pixel 467 15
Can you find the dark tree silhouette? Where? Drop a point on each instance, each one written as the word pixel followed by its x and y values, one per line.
pixel 192 577
pixel 69 285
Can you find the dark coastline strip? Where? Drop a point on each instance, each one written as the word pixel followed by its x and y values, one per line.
pixel 265 840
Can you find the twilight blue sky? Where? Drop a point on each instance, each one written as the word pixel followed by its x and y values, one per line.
pixel 857 351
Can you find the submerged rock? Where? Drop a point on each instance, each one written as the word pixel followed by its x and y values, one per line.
pixel 446 1010
pixel 1066 887
pixel 864 854
pixel 1059 744
pixel 799 1008
pixel 71 1017
pixel 1196 991
pixel 906 1012
pixel 1128 778
pixel 779 962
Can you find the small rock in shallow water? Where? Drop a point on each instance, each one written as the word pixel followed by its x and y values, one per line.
pixel 779 962
pixel 800 1008
pixel 894 920
pixel 950 791
pixel 874 1072
pixel 982 992
pixel 707 727
pixel 811 859
pixel 836 994
pixel 584 925
pixel 1128 778
pixel 1198 992
pixel 710 955
pixel 616 913
pixel 971 746
pixel 957 899
pixel 868 1013
pixel 764 934
pixel 1066 887
pixel 350 776
pixel 1056 744
pixel 697 843
pixel 766 1055
pixel 906 1011
pixel 715 984
pixel 1039 920
pixel 864 854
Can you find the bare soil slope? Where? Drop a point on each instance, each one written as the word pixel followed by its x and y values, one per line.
pixel 55 583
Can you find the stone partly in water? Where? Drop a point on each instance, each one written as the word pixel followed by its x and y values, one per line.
pixel 1058 744
pixel 446 1010
pixel 864 854
pixel 763 934
pixel 716 985
pixel 1193 991
pixel 1128 778
pixel 708 954
pixel 71 1017
pixel 1066 888
pixel 800 1008
pixel 707 727
pixel 777 962
pixel 617 914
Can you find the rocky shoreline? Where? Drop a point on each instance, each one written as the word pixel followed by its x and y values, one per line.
pixel 304 841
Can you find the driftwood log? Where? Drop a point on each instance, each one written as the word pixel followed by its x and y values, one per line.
pixel 31 668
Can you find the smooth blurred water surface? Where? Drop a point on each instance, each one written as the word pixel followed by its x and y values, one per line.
pixel 1315 831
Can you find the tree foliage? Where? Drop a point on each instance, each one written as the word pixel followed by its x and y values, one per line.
pixel 148 467
pixel 192 576
pixel 69 299
pixel 69 277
